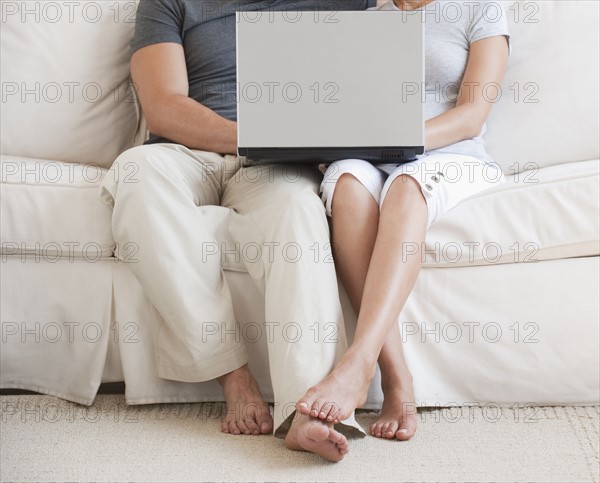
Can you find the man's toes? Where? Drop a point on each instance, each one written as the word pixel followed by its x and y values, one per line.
pixel 266 427
pixel 233 427
pixel 337 438
pixel 252 426
pixel 265 422
pixel 344 447
pixel 318 438
pixel 241 424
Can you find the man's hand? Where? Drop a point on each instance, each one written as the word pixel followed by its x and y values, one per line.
pixel 159 73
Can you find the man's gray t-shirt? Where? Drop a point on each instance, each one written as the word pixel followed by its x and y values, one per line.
pixel 206 30
pixel 450 29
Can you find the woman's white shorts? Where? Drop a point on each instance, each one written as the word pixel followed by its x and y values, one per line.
pixel 445 179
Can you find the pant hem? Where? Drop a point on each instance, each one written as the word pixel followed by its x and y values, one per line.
pixel 202 371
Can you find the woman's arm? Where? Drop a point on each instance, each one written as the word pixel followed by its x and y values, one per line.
pixel 159 73
pixel 487 63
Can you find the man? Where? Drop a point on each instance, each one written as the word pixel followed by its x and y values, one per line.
pixel 183 66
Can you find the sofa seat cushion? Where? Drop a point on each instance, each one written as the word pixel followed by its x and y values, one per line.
pixel 544 214
pixel 51 209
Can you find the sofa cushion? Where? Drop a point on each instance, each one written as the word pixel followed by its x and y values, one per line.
pixel 66 93
pixel 544 214
pixel 51 209
pixel 549 111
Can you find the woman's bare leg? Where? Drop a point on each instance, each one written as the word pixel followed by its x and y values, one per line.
pixel 355 223
pixel 390 278
pixel 398 418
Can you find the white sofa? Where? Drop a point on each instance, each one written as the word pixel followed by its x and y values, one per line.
pixel 505 311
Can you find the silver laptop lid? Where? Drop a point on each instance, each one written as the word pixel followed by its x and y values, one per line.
pixel 330 85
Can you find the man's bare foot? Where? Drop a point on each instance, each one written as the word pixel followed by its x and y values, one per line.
pixel 247 411
pixel 398 418
pixel 341 392
pixel 318 437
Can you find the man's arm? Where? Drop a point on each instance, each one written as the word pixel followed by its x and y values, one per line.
pixel 160 75
pixel 487 63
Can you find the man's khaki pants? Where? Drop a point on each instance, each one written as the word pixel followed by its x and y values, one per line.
pixel 157 193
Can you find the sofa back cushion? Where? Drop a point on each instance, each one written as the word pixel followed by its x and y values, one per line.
pixel 549 110
pixel 66 93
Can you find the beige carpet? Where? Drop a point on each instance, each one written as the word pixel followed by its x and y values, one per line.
pixel 47 439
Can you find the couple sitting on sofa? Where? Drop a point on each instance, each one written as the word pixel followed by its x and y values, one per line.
pixel 183 65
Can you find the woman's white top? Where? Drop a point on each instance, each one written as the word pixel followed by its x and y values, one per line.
pixel 450 29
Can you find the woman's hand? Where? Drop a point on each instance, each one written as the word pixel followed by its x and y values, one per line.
pixel 487 63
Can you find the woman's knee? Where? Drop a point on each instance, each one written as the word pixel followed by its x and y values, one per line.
pixel 348 190
pixel 403 189
pixel 355 183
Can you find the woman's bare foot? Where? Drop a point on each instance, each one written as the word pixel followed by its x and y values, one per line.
pixel 398 418
pixel 247 411
pixel 341 392
pixel 318 437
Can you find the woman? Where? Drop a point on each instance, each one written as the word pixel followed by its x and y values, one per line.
pixel 379 211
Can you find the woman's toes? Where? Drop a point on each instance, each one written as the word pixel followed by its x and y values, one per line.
pixel 391 430
pixel 304 405
pixel 328 411
pixel 314 410
pixel 324 411
pixel 406 431
pixel 224 426
pixel 334 413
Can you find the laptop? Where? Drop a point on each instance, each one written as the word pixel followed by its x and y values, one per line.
pixel 316 87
